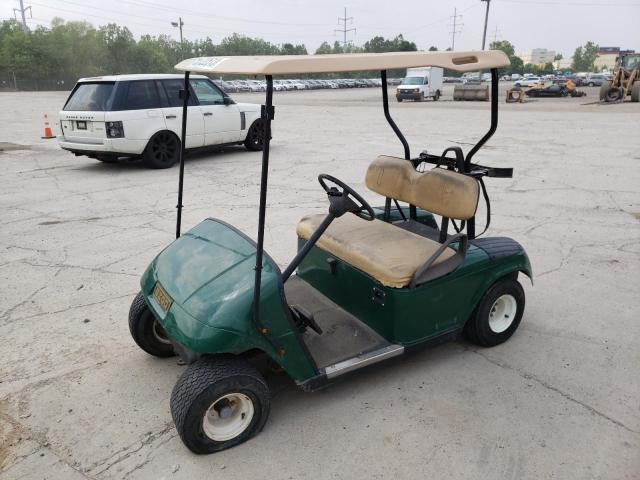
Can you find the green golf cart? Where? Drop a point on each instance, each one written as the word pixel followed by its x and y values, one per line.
pixel 367 284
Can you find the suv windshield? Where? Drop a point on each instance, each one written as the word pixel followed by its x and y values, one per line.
pixel 90 97
pixel 412 81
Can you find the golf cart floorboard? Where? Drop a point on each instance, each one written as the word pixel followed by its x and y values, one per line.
pixel 343 335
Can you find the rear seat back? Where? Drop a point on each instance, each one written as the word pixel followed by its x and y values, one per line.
pixel 438 191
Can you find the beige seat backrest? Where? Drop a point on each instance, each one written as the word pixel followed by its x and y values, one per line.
pixel 439 191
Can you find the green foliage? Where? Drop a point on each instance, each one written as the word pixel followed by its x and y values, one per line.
pixel 546 69
pixel 55 57
pixel 507 47
pixel 584 57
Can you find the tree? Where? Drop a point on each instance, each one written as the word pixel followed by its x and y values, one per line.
pixel 433 49
pixel 584 57
pixel 558 57
pixel 507 47
pixel 324 49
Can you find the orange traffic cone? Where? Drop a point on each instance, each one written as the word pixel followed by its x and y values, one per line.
pixel 48 133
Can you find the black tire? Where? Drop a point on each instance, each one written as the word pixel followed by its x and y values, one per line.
pixel 147 331
pixel 604 89
pixel 255 136
pixel 204 384
pixel 478 328
pixel 421 97
pixel 615 94
pixel 399 99
pixel 436 97
pixel 635 91
pixel 591 84
pixel 163 150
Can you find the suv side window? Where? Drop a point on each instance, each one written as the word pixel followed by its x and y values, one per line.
pixel 207 92
pixel 141 95
pixel 172 88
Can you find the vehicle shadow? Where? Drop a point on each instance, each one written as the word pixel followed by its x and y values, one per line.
pixel 195 157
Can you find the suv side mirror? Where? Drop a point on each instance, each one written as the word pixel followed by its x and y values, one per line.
pixel 227 100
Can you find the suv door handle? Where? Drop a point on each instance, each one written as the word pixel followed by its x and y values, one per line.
pixel 170 116
pixel 207 114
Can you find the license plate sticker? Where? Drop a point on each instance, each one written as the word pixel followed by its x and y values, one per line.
pixel 81 125
pixel 162 297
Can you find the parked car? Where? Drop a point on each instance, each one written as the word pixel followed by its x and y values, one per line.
pixel 595 80
pixel 527 81
pixel 116 116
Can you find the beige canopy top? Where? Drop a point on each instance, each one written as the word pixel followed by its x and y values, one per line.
pixel 348 62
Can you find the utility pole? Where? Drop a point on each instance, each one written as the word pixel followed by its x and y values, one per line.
pixel 455 27
pixel 486 19
pixel 22 10
pixel 179 24
pixel 344 28
pixel 496 33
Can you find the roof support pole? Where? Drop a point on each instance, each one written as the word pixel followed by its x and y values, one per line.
pixel 267 116
pixel 494 120
pixel 184 93
pixel 471 223
pixel 405 144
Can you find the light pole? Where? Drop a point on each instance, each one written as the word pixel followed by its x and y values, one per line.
pixel 180 23
pixel 486 19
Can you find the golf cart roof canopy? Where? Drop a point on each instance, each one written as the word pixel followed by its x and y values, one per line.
pixel 348 62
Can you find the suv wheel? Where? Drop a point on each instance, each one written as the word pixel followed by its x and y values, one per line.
pixel 163 150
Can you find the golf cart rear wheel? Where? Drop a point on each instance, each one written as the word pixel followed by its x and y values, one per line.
pixel 147 331
pixel 219 402
pixel 255 136
pixel 498 315
pixel 163 150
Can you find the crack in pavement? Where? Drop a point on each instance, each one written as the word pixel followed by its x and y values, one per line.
pixel 42 442
pixel 548 386
pixel 127 452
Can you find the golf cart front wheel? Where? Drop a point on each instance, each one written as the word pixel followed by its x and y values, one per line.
pixel 498 315
pixel 219 402
pixel 147 331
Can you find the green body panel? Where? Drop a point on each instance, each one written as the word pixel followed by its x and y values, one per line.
pixel 209 274
pixel 404 315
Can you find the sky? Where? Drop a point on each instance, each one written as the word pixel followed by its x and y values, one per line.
pixel 556 25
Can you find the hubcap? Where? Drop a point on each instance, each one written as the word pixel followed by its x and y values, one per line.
pixel 502 313
pixel 160 333
pixel 228 417
pixel 164 147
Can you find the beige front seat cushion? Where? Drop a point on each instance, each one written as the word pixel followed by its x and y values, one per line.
pixel 439 191
pixel 388 253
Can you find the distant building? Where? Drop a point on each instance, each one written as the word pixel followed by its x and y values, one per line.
pixel 538 56
pixel 606 57
pixel 542 56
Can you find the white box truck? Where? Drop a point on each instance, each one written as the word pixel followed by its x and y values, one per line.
pixel 420 83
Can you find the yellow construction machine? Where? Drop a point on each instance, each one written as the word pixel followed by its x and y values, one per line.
pixel 626 80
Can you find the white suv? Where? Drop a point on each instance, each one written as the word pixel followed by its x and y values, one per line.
pixel 141 115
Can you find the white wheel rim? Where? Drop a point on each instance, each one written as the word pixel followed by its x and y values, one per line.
pixel 159 333
pixel 502 313
pixel 228 417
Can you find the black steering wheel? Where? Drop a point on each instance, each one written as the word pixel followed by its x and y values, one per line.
pixel 340 203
